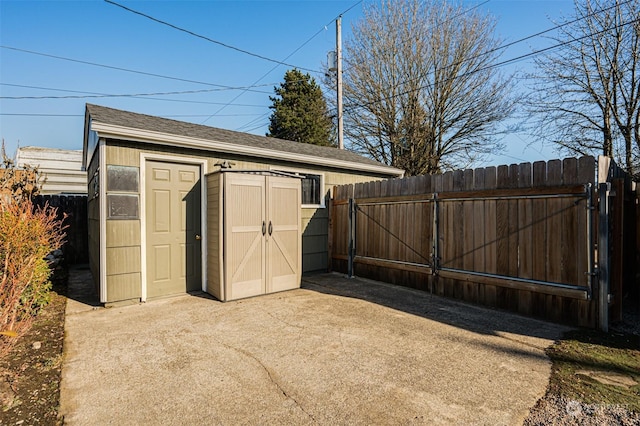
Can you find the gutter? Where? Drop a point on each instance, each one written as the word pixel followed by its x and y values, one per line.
pixel 119 132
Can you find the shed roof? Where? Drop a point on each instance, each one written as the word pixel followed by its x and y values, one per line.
pixel 119 124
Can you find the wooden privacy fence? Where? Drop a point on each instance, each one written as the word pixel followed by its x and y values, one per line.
pixel 520 237
pixel 76 246
pixel 620 217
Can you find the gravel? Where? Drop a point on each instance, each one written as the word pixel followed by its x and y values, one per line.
pixel 553 410
pixel 559 411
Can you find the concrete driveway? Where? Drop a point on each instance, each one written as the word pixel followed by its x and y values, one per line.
pixel 337 351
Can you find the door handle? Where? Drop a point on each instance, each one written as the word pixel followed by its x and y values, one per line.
pixel 198 237
pixel 264 228
pixel 270 228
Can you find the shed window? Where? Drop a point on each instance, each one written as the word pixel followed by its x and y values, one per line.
pixel 312 186
pixel 122 178
pixel 311 189
pixel 121 206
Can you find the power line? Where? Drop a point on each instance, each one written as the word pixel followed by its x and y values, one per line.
pixel 17 114
pixel 130 70
pixel 256 127
pixel 247 125
pixel 557 27
pixel 291 54
pixel 95 93
pixel 449 19
pixel 40 115
pixel 99 95
pixel 501 47
pixel 517 59
pixel 496 65
pixel 345 11
pixel 252 122
pixel 111 95
pixel 175 27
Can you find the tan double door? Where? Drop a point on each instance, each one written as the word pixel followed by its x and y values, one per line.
pixel 262 241
pixel 173 228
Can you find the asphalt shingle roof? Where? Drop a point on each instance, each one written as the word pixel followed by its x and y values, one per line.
pixel 180 128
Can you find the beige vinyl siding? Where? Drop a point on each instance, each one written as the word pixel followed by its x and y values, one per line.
pixel 123 236
pixel 315 222
pixel 60 168
pixel 123 156
pixel 93 225
pixel 124 281
pixel 123 241
pixel 123 260
pixel 59 182
pixel 214 242
pixel 123 287
pixel 315 226
pixel 123 233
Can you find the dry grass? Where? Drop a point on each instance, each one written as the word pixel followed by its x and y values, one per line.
pixel 583 354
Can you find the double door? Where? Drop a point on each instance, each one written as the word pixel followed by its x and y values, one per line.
pixel 262 238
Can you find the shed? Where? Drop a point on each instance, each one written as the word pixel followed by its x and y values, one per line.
pixel 61 169
pixel 146 175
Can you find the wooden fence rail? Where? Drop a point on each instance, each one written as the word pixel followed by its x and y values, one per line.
pixel 519 237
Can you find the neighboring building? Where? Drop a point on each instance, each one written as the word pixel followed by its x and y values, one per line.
pixel 61 169
pixel 145 171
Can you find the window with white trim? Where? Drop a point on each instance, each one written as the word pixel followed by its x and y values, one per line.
pixel 312 185
pixel 312 193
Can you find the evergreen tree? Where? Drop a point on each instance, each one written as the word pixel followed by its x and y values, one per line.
pixel 300 111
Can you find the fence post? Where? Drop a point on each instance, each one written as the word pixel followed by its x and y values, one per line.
pixel 617 254
pixel 435 255
pixel 330 230
pixel 352 228
pixel 590 243
pixel 604 260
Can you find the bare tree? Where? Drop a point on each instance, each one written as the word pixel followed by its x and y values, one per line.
pixel 420 91
pixel 587 91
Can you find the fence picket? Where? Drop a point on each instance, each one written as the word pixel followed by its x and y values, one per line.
pixel 523 227
pixel 72 210
pixel 525 237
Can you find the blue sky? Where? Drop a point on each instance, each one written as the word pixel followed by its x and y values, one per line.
pixel 98 32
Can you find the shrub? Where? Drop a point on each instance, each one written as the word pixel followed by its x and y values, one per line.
pixel 27 236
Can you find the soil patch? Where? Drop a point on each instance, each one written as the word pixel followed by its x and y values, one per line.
pixel 594 381
pixel 30 373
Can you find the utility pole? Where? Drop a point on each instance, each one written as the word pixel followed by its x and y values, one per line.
pixel 339 71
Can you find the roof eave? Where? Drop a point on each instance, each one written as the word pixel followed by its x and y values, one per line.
pixel 106 130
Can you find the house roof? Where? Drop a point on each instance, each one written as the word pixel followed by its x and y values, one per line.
pixel 118 124
pixel 61 168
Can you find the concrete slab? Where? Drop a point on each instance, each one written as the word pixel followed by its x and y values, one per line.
pixel 337 351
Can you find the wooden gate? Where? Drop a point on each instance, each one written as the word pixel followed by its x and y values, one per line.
pixel 541 239
pixel 520 237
